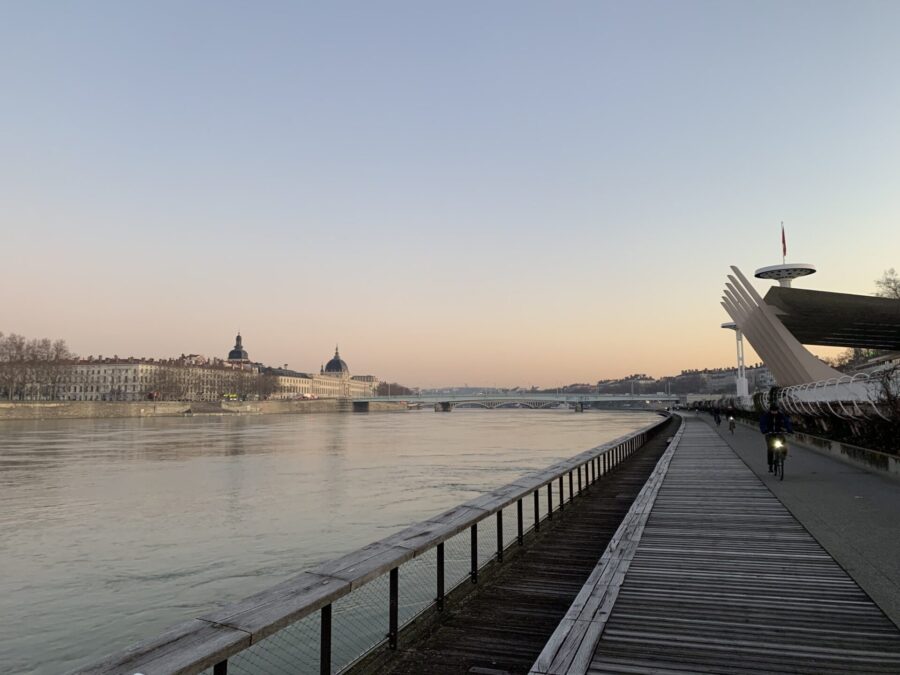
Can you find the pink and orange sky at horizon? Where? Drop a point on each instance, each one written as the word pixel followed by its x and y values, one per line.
pixel 511 194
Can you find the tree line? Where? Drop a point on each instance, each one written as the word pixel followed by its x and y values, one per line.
pixel 32 369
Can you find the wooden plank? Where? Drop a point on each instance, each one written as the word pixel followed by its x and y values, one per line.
pixel 190 646
pixel 570 647
pixel 421 537
pixel 724 579
pixel 362 565
pixel 271 610
pixel 505 625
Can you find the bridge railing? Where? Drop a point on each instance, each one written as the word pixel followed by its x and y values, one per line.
pixel 326 619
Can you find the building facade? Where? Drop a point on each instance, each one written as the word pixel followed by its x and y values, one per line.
pixel 188 378
pixel 333 381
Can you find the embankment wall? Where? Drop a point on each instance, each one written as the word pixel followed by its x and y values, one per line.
pixel 115 409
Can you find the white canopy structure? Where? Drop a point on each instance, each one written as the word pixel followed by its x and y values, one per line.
pixel 790 362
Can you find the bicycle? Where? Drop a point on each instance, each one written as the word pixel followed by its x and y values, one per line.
pixel 776 443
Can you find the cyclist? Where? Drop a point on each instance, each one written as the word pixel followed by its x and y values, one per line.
pixel 774 422
pixel 731 424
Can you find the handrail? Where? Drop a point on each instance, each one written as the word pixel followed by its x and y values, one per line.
pixel 209 640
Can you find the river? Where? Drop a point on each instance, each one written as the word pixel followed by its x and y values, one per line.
pixel 112 530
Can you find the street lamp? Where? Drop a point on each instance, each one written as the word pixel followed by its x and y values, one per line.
pixel 741 380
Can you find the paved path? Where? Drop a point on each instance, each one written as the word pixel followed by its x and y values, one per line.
pixel 853 513
pixel 720 578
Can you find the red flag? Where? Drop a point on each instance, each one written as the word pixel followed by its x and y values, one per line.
pixel 783 243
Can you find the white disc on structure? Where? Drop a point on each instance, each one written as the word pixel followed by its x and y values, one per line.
pixel 785 272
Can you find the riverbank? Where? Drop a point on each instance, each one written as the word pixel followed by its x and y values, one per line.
pixel 39 410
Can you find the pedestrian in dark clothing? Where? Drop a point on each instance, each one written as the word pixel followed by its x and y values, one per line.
pixel 774 422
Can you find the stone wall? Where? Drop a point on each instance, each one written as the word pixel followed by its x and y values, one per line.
pixel 86 409
pixel 83 409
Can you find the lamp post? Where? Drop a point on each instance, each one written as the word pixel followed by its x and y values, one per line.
pixel 741 379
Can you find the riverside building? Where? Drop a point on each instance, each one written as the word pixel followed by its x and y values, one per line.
pixel 333 381
pixel 198 378
pixel 188 378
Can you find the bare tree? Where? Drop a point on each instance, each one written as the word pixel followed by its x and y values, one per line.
pixel 167 383
pixel 32 369
pixel 888 285
pixel 889 395
pixel 266 386
pixel 392 389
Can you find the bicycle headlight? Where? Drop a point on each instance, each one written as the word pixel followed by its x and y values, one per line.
pixel 778 444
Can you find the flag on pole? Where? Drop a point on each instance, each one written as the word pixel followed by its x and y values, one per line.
pixel 783 243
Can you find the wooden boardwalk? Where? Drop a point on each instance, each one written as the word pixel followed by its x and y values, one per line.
pixel 721 579
pixel 502 627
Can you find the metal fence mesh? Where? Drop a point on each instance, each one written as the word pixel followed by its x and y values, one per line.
pixel 456 560
pixel 510 524
pixel 359 622
pixel 487 540
pixel 542 503
pixel 417 586
pixel 294 649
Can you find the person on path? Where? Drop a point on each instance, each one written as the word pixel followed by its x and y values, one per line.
pixel 774 422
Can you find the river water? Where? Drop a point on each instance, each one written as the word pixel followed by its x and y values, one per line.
pixel 112 530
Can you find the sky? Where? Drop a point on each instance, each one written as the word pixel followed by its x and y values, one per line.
pixel 493 194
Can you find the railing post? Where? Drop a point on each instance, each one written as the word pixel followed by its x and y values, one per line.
pixel 500 535
pixel 579 477
pixel 221 668
pixel 562 494
pixel 440 576
pixel 325 641
pixel 571 489
pixel 537 512
pixel 520 532
pixel 550 500
pixel 394 608
pixel 474 557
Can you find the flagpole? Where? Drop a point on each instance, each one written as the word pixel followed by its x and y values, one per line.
pixel 783 245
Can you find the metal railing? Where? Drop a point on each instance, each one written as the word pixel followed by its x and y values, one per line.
pixel 328 618
pixel 850 397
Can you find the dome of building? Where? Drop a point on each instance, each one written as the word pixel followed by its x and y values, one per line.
pixel 336 365
pixel 238 353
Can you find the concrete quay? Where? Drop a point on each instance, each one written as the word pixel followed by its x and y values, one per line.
pixel 41 410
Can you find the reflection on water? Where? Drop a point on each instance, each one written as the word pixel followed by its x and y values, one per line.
pixel 111 530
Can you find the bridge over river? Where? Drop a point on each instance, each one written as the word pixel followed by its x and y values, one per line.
pixel 667 550
pixel 577 402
